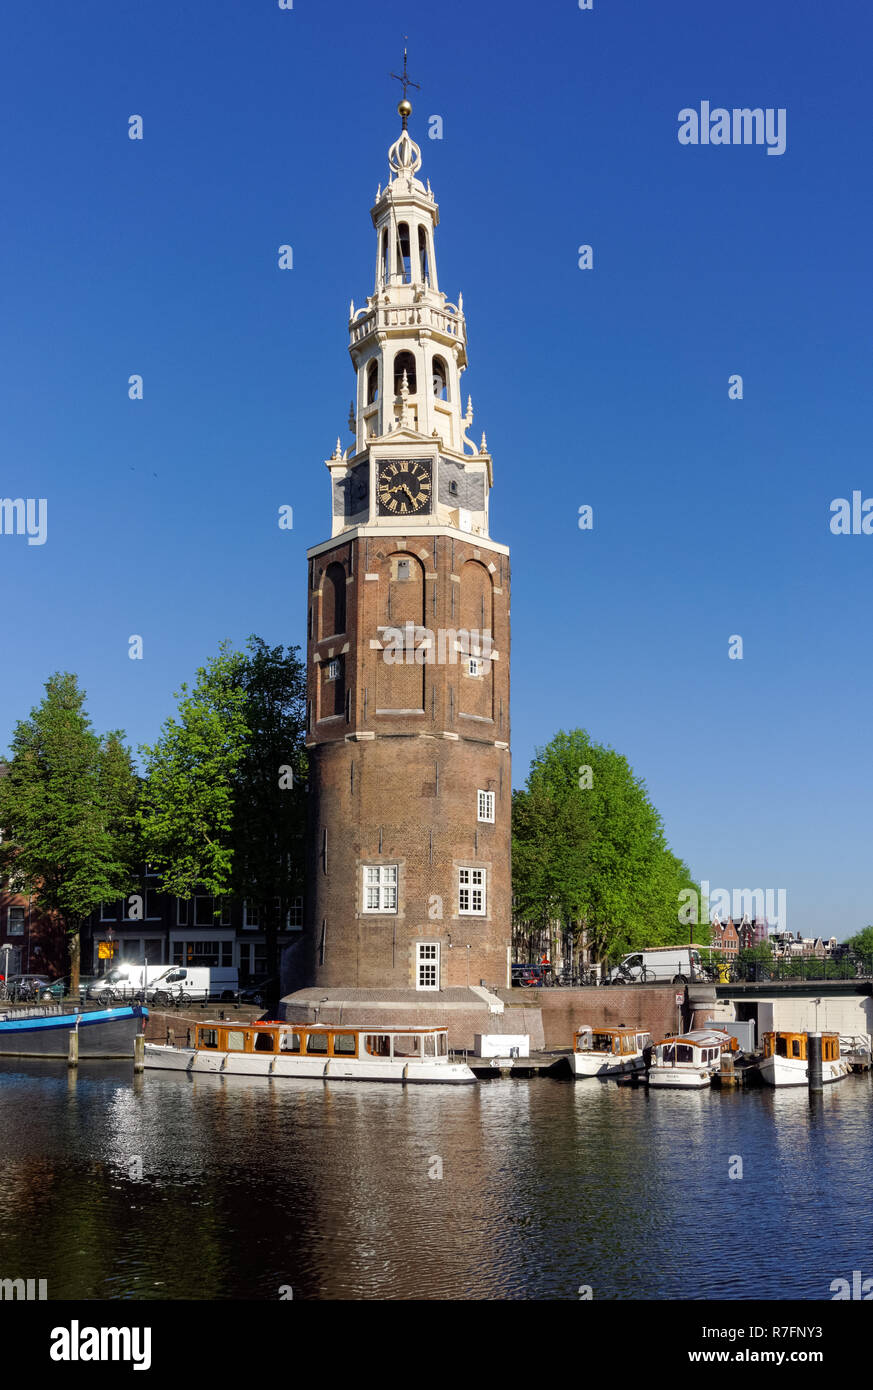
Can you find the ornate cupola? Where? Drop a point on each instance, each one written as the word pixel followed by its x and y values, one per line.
pixel 408 346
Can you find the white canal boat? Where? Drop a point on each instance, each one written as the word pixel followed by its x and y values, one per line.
pixel 690 1060
pixel 608 1051
pixel 785 1061
pixel 321 1051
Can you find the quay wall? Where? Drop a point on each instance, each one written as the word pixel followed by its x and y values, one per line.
pixel 463 1023
pixel 652 1007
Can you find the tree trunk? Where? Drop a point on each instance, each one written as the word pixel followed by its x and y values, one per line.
pixel 271 947
pixel 74 946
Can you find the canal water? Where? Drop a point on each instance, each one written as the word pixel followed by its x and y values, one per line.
pixel 159 1186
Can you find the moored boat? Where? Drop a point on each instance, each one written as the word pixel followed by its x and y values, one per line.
pixel 608 1051
pixel 689 1060
pixel 321 1051
pixel 785 1061
pixel 45 1031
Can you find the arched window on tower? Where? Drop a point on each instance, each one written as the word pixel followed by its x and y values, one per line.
pixel 440 380
pixel 404 362
pixel 333 601
pixel 383 258
pixel 373 383
pixel 423 263
pixel 404 262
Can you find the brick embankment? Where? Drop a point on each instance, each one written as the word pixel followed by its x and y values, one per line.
pixel 457 1009
pixel 652 1007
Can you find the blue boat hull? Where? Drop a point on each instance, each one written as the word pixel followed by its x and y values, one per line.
pixel 102 1033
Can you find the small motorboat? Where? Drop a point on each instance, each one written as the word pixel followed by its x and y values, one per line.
pixel 785 1059
pixel 44 1031
pixel 608 1051
pixel 691 1059
pixel 326 1052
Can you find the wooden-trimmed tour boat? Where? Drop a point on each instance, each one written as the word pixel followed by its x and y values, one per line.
pixel 785 1061
pixel 608 1051
pixel 322 1051
pixel 691 1059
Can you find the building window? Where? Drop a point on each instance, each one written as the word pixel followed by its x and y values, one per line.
pixel 191 953
pixel 427 965
pixel 485 806
pixel 475 666
pixel 182 912
pixel 372 383
pixel 471 892
pixel 15 921
pixel 380 888
pixel 203 912
pixel 109 912
pixel 295 914
pixel 440 381
pixel 225 912
pixel 251 920
pixel 152 908
pixel 332 670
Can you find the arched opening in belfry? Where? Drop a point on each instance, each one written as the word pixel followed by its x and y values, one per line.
pixel 423 262
pixel 383 258
pixel 440 378
pixel 373 383
pixel 404 362
pixel 333 601
pixel 404 258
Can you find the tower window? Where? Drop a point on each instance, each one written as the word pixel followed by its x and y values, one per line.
pixel 383 258
pixel 333 670
pixel 440 380
pixel 427 965
pixel 404 260
pixel 372 383
pixel 423 264
pixel 471 892
pixel 380 887
pixel 404 362
pixel 485 804
pixel 475 666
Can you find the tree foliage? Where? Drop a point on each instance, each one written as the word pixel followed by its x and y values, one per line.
pixel 589 850
pixel 67 810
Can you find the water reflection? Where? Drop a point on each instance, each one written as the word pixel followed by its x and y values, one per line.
pixel 248 1185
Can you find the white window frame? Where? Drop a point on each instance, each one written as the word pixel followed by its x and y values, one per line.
pixel 22 921
pixel 471 892
pixel 379 884
pixel 485 806
pixel 427 965
pixel 248 924
pixel 475 666
pixel 332 669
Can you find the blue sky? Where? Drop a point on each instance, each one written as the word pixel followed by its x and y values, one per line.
pixel 606 387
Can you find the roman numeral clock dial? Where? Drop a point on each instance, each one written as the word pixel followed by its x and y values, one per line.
pixel 404 487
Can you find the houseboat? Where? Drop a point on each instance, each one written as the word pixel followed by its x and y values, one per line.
pixel 322 1051
pixel 44 1031
pixel 608 1051
pixel 785 1062
pixel 691 1059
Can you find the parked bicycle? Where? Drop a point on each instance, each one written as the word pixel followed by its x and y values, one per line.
pixel 163 999
pixel 639 976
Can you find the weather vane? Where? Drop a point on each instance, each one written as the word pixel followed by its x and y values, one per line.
pixel 406 81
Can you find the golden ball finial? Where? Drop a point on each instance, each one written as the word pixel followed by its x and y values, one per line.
pixel 404 109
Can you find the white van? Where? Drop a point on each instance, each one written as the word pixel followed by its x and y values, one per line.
pixel 198 982
pixel 125 980
pixel 659 964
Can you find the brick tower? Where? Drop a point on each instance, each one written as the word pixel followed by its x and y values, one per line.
pixel 408 883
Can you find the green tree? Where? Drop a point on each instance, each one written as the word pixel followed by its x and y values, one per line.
pixel 67 807
pixel 269 792
pixel 862 942
pixel 589 849
pixel 187 803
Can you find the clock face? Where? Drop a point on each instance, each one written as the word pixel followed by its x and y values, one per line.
pixel 404 486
